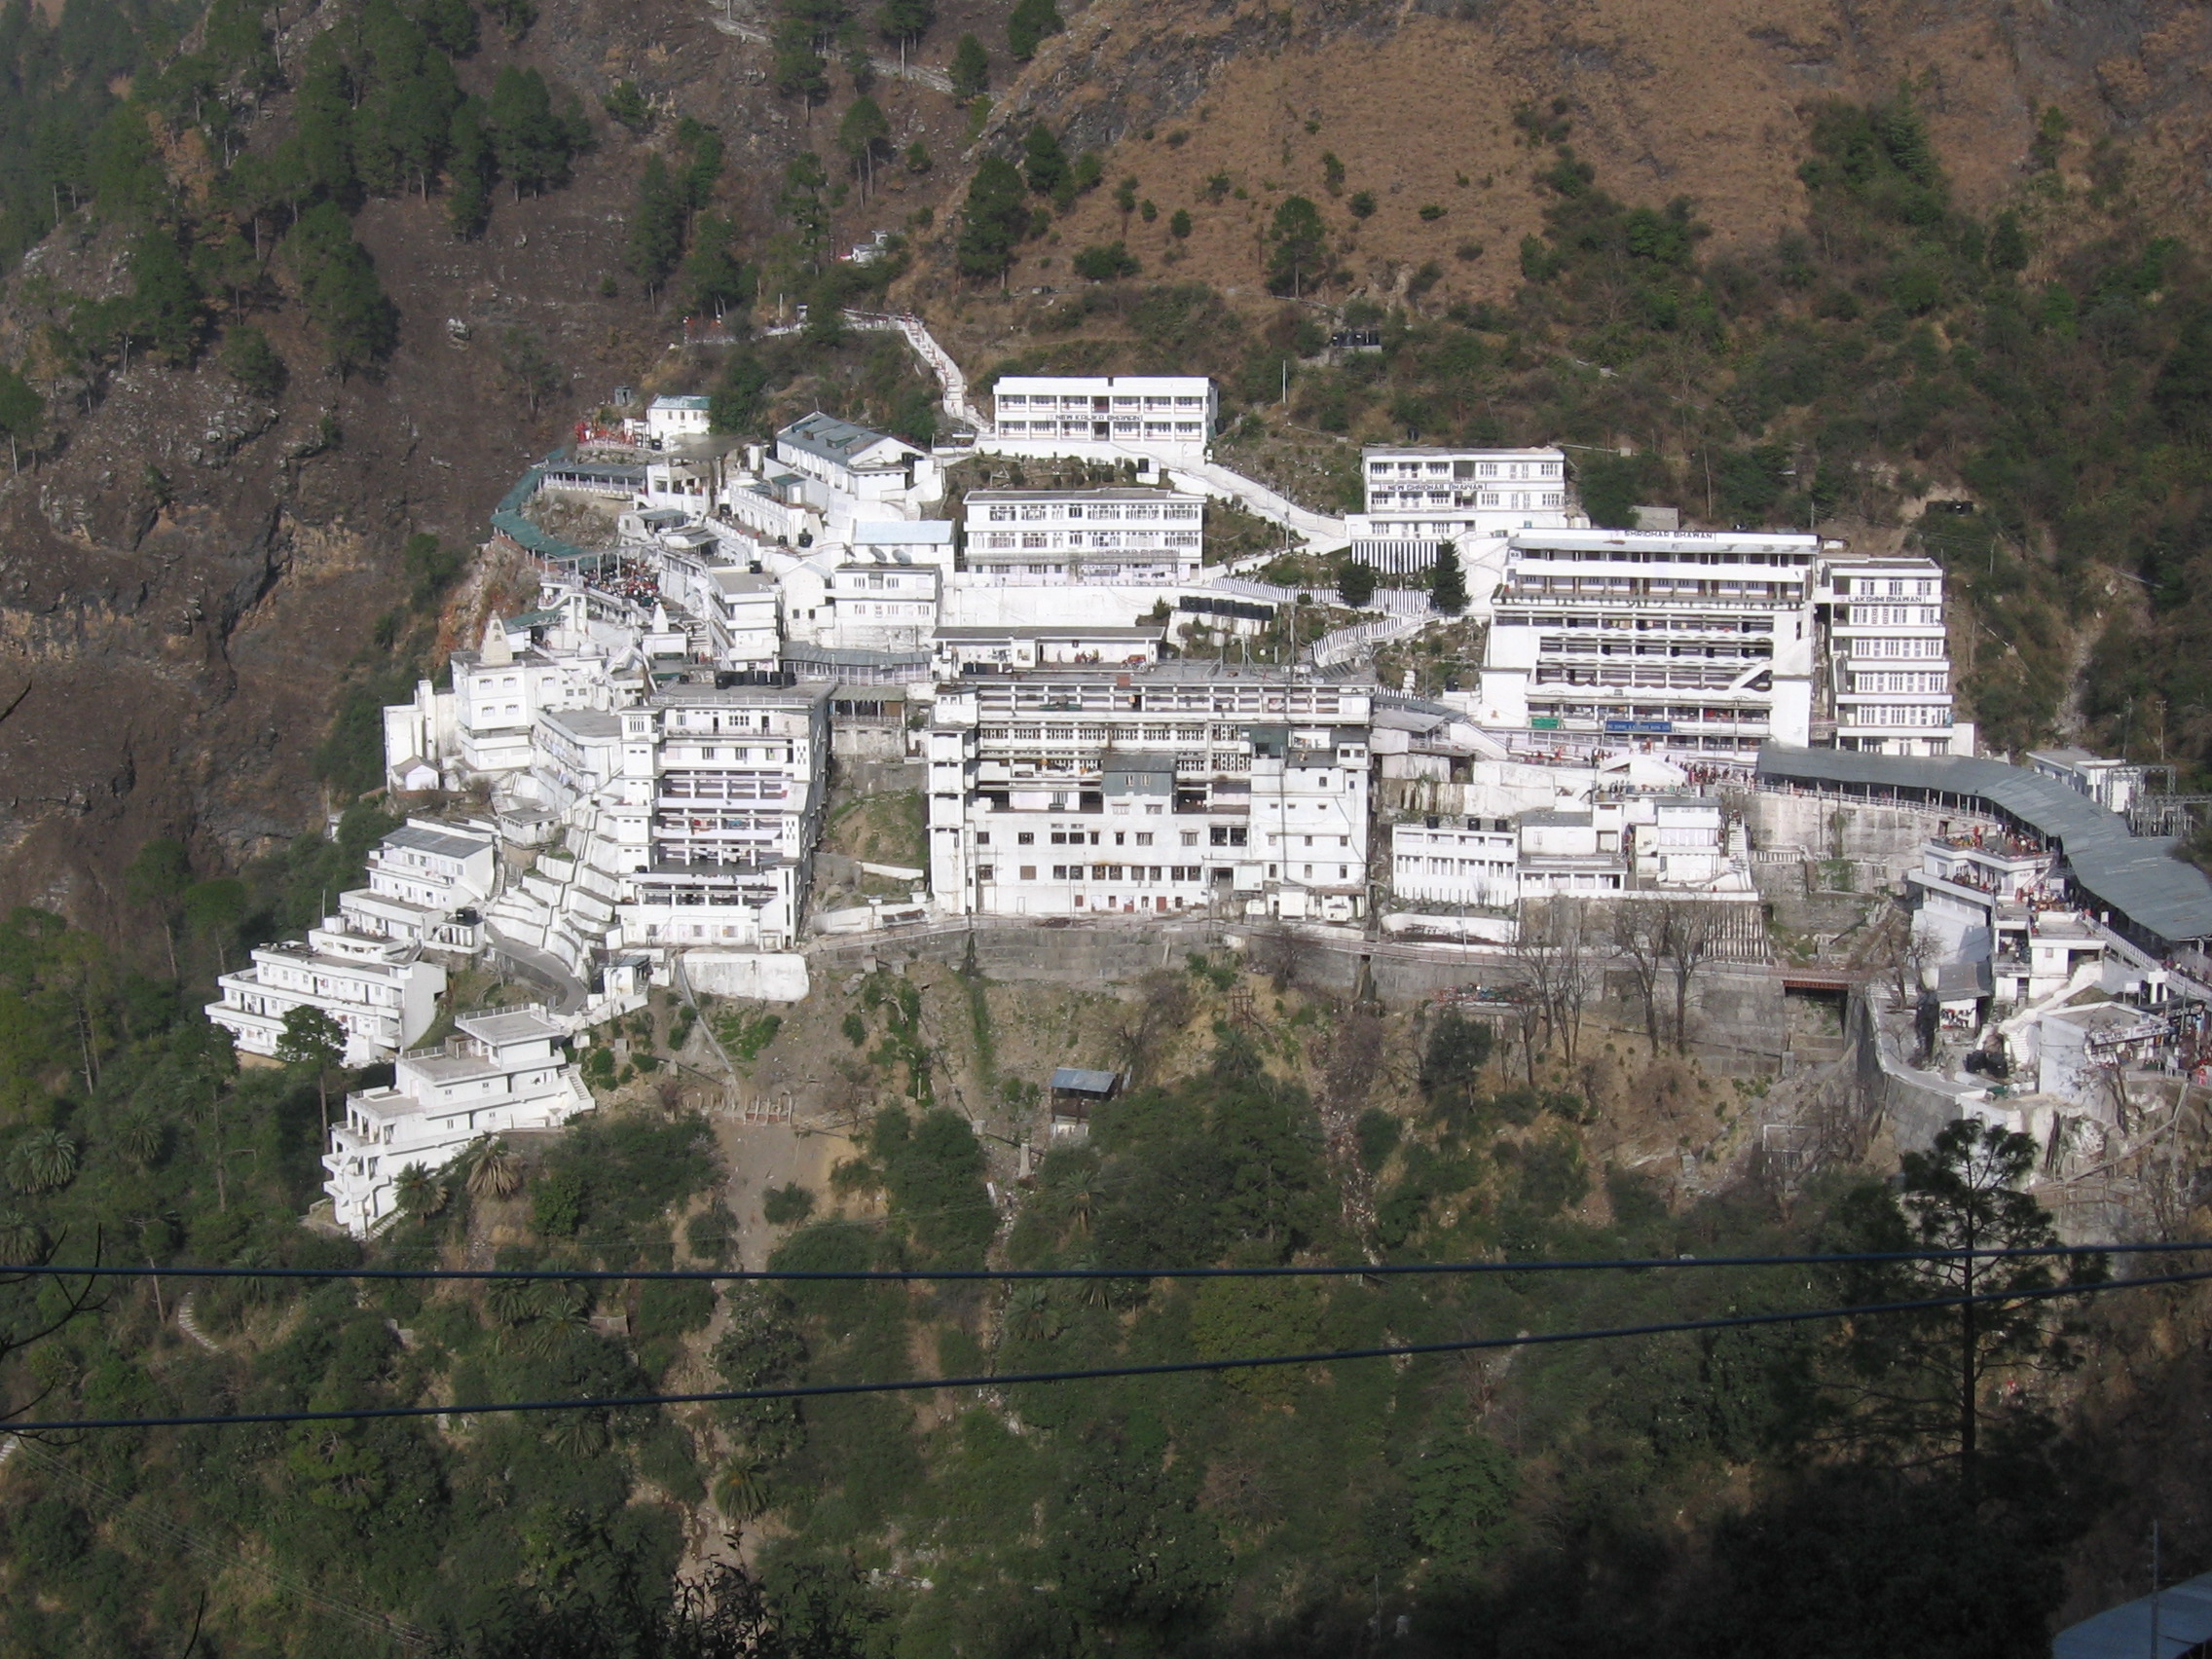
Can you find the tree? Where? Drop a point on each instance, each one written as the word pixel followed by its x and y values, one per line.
pixel 1692 939
pixel 905 21
pixel 801 203
pixel 1914 1382
pixel 1044 164
pixel 1447 586
pixel 1299 244
pixel 1108 263
pixel 713 278
pixel 42 1161
pixel 2008 245
pixel 472 168
pixel 313 1042
pixel 1461 1494
pixel 1179 224
pixel 971 70
pixel 359 324
pixel 529 370
pixel 627 105
pixel 164 298
pixel 1355 584
pixel 250 359
pixel 862 135
pixel 531 141
pixel 22 413
pixel 2182 394
pixel 1452 1062
pixel 491 1169
pixel 1029 24
pixel 994 221
pixel 656 226
pixel 1639 934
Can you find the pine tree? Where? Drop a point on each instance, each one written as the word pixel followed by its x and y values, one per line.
pixel 904 21
pixel 165 301
pixel 1027 26
pixel 1300 246
pixel 531 141
pixel 1448 584
pixel 473 170
pixel 862 135
pixel 971 68
pixel 995 219
pixel 656 226
pixel 1043 163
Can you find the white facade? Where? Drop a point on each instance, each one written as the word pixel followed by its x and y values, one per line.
pixel 1016 649
pixel 1889 656
pixel 1032 537
pixel 1464 863
pixel 502 1071
pixel 426 884
pixel 1170 413
pixel 877 607
pixel 2114 785
pixel 856 468
pixel 1691 640
pixel 380 993
pixel 1419 498
pixel 680 416
pixel 1162 790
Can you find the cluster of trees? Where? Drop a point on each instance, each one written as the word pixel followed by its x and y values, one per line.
pixel 999 217
pixel 377 110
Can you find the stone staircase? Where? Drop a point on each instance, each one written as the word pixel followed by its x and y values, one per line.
pixel 565 904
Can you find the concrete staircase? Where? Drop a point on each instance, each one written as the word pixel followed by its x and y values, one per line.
pixel 565 904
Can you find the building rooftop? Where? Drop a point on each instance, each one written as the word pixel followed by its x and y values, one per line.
pixel 2182 1619
pixel 435 842
pixel 1078 1080
pixel 1540 453
pixel 729 581
pixel 587 725
pixel 1104 493
pixel 683 400
pixel 511 1025
pixel 2136 875
pixel 1663 541
pixel 833 439
pixel 1079 631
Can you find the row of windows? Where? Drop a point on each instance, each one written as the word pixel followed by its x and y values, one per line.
pixel 1122 427
pixel 1087 400
pixel 1913 648
pixel 1459 469
pixel 1656 587
pixel 1668 555
pixel 1896 616
pixel 1032 512
pixel 1381 499
pixel 1900 714
pixel 1076 538
pixel 1937 681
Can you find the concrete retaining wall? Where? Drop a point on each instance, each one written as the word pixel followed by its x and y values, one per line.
pixel 764 975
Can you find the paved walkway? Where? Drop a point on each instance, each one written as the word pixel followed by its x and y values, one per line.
pixel 541 968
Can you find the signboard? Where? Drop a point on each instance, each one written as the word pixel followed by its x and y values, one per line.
pixel 1544 723
pixel 1640 725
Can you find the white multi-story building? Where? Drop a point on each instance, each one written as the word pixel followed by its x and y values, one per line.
pixel 716 814
pixel 427 885
pixel 1691 640
pixel 1419 498
pixel 871 606
pixel 380 993
pixel 481 727
pixel 856 469
pixel 1889 676
pixel 1086 537
pixel 2112 784
pixel 503 1070
pixel 1463 863
pixel 1044 414
pixel 740 611
pixel 1014 649
pixel 1161 789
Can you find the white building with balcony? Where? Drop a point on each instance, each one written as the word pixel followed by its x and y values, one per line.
pixel 1084 537
pixel 856 472
pixel 1169 416
pixel 1175 788
pixel 503 1070
pixel 427 885
pixel 1889 657
pixel 1683 641
pixel 380 993
pixel 1420 499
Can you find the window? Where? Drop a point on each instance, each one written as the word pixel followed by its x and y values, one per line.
pixel 1144 837
pixel 984 873
pixel 1025 838
pixel 1029 872
pixel 1189 837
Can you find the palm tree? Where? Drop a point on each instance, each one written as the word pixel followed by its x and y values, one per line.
pixel 511 1301
pixel 142 1138
pixel 493 1170
pixel 20 1237
pixel 418 1193
pixel 1029 1312
pixel 42 1160
pixel 740 1491
pixel 579 1435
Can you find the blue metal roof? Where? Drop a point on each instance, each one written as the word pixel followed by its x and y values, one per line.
pixel 2136 876
pixel 1078 1080
pixel 2184 1620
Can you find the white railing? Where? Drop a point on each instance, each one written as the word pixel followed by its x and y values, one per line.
pixel 1360 638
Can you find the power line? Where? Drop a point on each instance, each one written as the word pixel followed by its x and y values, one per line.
pixel 911 1276
pixel 1169 1368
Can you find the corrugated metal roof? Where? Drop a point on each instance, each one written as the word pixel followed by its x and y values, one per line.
pixel 2184 1619
pixel 2138 877
pixel 1081 1082
pixel 833 439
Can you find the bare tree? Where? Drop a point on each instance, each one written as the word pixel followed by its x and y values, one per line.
pixel 1286 954
pixel 1639 934
pixel 1692 937
pixel 1146 1030
pixel 1558 968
